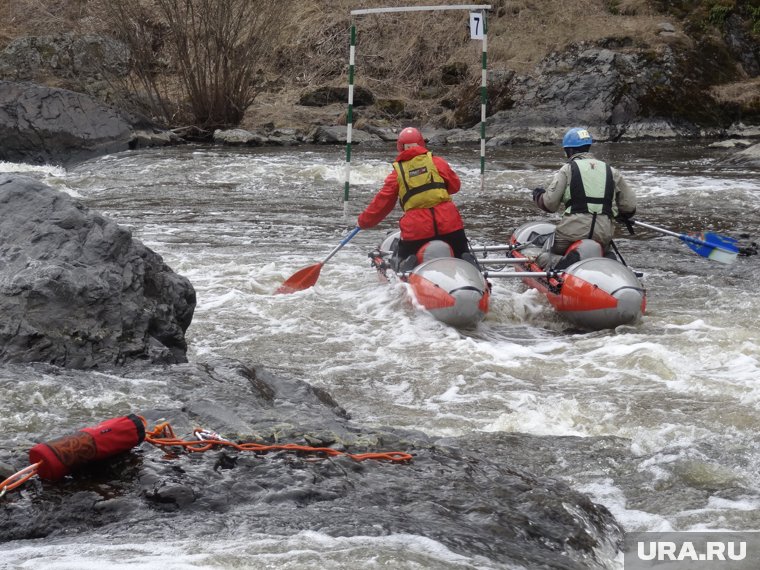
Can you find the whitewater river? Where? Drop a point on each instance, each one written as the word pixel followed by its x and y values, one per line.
pixel 681 387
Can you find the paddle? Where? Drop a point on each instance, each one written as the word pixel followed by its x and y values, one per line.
pixel 712 246
pixel 307 277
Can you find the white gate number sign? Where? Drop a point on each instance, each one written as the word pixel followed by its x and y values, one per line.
pixel 476 26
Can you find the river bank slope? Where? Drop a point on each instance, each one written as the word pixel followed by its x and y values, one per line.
pixel 637 69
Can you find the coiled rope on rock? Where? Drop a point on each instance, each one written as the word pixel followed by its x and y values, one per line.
pixel 57 458
pixel 163 436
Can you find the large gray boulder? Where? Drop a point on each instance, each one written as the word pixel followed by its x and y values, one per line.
pixel 77 290
pixel 619 93
pixel 44 125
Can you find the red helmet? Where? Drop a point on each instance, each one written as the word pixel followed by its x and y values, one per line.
pixel 409 136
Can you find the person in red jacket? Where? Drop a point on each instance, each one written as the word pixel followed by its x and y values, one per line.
pixel 422 184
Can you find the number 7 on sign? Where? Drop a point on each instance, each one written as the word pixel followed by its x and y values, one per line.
pixel 476 26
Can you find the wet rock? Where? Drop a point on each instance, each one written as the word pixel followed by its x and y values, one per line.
pixel 66 55
pixel 172 497
pixel 731 144
pixel 741 40
pixel 268 136
pixel 749 157
pixel 77 290
pixel 621 94
pixel 495 496
pixel 284 137
pixel 45 125
pixel 155 137
pixel 583 85
pixel 385 133
pixel 237 137
pixel 333 135
pixel 742 130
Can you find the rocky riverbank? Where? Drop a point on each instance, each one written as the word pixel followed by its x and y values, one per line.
pixel 42 125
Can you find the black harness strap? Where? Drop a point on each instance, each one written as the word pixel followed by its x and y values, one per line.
pixel 578 199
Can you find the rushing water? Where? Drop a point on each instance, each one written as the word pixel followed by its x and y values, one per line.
pixel 680 387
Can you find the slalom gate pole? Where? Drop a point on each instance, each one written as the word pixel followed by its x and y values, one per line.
pixel 481 12
pixel 483 100
pixel 349 117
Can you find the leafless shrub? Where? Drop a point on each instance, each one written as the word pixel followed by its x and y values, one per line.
pixel 196 60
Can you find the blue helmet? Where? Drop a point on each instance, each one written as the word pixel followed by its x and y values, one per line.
pixel 576 137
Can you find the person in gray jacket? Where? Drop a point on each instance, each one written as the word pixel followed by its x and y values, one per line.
pixel 589 192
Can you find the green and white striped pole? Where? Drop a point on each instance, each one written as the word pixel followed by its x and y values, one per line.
pixel 349 116
pixel 352 54
pixel 483 100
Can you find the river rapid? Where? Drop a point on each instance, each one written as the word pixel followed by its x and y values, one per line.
pixel 680 388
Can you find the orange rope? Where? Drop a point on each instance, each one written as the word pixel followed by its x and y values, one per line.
pixel 163 435
pixel 19 478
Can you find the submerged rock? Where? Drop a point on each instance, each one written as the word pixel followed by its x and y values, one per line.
pixel 77 290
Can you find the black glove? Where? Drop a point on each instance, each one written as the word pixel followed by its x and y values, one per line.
pixel 537 193
pixel 627 219
pixel 748 250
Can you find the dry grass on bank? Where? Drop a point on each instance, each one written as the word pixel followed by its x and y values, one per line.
pixel 20 18
pixel 745 93
pixel 400 55
pixel 313 41
pixel 520 33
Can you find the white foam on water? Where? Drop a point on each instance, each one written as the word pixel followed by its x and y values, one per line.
pixel 303 551
pixel 550 416
pixel 23 168
pixel 606 492
pixel 695 187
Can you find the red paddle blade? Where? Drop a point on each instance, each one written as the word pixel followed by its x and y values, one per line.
pixel 300 280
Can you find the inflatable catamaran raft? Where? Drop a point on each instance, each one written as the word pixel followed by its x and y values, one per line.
pixel 594 292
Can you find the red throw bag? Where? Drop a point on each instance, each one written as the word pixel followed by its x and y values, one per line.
pixel 63 455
